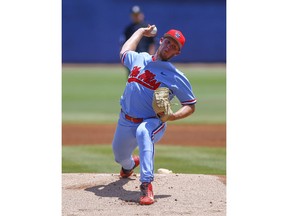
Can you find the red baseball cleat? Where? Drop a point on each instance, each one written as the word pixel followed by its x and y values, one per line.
pixel 147 197
pixel 126 173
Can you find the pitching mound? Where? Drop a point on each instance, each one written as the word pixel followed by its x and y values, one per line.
pixel 175 194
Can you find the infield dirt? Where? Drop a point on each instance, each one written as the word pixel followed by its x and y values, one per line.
pixel 175 194
pixel 188 135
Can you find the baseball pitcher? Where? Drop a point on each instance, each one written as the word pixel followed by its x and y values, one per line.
pixel 145 104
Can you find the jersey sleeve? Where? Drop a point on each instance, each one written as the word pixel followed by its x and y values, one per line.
pixel 183 91
pixel 128 57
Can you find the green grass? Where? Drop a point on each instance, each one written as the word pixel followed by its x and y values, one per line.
pixel 179 159
pixel 91 94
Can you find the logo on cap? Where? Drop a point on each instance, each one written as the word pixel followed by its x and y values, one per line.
pixel 176 35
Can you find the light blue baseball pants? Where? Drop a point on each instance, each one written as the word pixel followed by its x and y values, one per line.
pixel 129 135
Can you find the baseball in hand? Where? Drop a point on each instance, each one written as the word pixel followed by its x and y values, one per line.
pixel 154 31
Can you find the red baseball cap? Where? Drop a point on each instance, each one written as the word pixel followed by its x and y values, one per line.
pixel 177 36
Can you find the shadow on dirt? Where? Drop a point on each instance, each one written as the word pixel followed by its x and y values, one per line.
pixel 115 189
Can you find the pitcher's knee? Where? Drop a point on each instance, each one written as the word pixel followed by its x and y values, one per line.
pixel 117 160
pixel 121 159
pixel 125 163
pixel 117 156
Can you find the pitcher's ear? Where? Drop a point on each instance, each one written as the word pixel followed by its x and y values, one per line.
pixel 161 40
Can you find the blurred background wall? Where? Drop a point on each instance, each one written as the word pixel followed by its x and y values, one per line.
pixel 91 29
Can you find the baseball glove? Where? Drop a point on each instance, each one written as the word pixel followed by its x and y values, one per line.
pixel 161 103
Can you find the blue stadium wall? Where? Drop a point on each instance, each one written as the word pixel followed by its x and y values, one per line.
pixel 91 28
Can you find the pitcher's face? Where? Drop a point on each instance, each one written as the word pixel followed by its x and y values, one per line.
pixel 168 48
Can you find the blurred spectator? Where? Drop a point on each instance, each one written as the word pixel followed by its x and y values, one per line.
pixel 146 44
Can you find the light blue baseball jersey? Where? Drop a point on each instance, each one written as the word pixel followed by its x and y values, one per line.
pixel 146 75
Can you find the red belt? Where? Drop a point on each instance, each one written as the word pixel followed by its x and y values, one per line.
pixel 134 120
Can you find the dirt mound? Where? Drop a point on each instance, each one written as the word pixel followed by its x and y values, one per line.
pixel 175 194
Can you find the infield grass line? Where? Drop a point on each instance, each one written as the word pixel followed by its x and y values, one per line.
pixel 179 159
